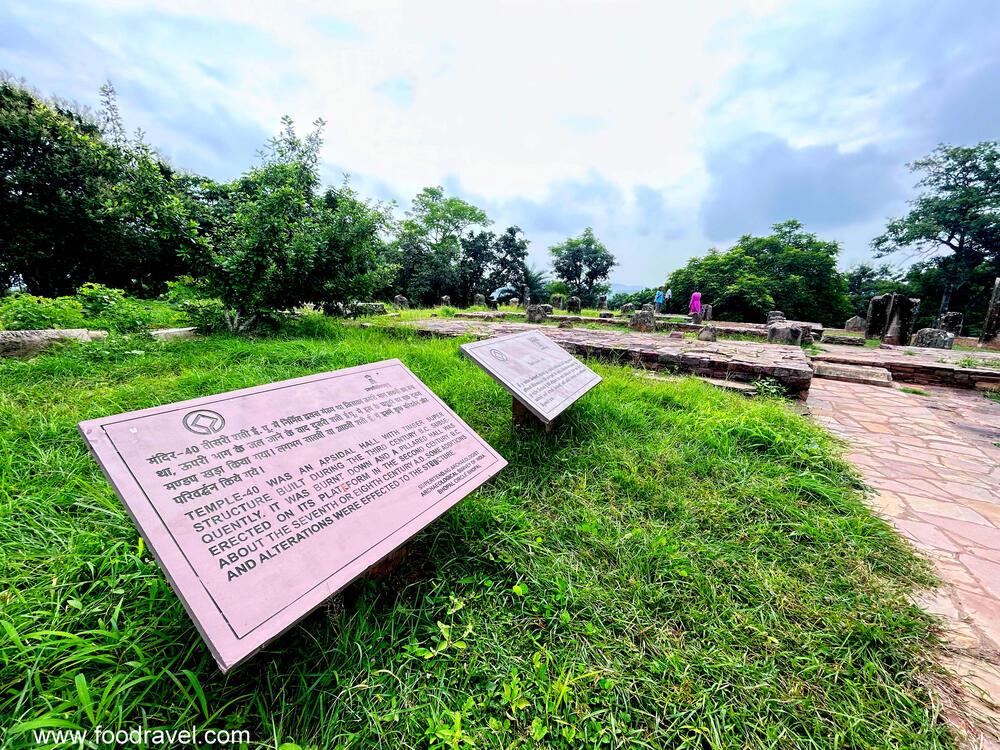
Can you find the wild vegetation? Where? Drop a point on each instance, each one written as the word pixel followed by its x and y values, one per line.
pixel 674 567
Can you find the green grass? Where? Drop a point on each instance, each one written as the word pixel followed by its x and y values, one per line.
pixel 914 391
pixel 674 567
pixel 978 362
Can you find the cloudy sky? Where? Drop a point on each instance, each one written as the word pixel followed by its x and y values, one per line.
pixel 669 126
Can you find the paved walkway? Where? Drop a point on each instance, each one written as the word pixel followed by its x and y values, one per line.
pixel 936 467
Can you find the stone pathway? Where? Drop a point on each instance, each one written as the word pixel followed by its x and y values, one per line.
pixel 935 465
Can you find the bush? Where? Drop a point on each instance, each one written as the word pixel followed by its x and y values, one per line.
pixel 28 312
pixel 183 289
pixel 207 315
pixel 97 298
pixel 125 316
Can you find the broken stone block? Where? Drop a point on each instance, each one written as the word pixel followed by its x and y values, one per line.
pixel 565 324
pixel 706 312
pixel 775 315
pixel 535 314
pixel 547 309
pixel 557 301
pixel 676 335
pixel 899 317
pixel 696 319
pixel 643 321
pixel 951 322
pixel 829 338
pixel 878 306
pixel 573 306
pixel 479 300
pixel 602 302
pixel 401 302
pixel 445 301
pixel 514 302
pixel 605 314
pixel 782 333
pixel 23 344
pixel 855 324
pixel 707 333
pixel 934 338
pixel 628 308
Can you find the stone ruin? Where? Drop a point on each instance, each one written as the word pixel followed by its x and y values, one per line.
pixel 605 314
pixel 648 307
pixel 856 324
pixel 23 344
pixel 706 312
pixel 934 338
pixel 565 324
pixel 514 302
pixel 525 296
pixel 831 338
pixel 628 308
pixel 401 302
pixel 707 334
pixel 696 318
pixel 643 321
pixel 547 309
pixel 602 302
pixel 775 315
pixel 492 304
pixel 535 314
pixel 899 317
pixel 878 306
pixel 951 322
pixel 779 332
pixel 991 326
pixel 445 300
pixel 557 301
pixel 573 306
pixel 479 300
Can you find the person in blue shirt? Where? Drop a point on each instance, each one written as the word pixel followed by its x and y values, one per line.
pixel 658 300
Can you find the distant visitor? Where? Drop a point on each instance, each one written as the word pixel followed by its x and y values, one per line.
pixel 695 307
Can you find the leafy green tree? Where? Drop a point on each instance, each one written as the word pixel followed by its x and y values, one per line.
pixel 537 282
pixel 284 243
pixel 865 281
pixel 428 247
pixel 958 213
pixel 791 270
pixel 81 202
pixel 476 264
pixel 640 298
pixel 511 259
pixel 584 264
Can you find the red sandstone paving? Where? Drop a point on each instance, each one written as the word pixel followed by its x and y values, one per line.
pixel 936 472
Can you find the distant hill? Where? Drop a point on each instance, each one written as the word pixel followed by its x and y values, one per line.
pixel 626 288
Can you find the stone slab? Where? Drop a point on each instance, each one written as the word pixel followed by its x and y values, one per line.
pixel 853 373
pixel 535 370
pixel 261 503
pixel 165 334
pixel 23 344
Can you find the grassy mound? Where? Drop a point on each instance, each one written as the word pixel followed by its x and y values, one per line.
pixel 674 567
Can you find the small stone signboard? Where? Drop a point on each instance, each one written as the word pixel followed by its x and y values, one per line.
pixel 536 370
pixel 259 504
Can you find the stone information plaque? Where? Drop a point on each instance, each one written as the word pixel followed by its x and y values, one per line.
pixel 538 372
pixel 261 503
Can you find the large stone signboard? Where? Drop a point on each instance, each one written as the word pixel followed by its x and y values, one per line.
pixel 537 371
pixel 261 503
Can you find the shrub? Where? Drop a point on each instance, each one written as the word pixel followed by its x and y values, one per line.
pixel 97 298
pixel 207 315
pixel 184 289
pixel 125 316
pixel 28 312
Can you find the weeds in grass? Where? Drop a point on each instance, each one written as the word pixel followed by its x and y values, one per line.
pixel 674 567
pixel 914 391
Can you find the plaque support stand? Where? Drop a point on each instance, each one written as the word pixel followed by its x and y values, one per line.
pixel 524 418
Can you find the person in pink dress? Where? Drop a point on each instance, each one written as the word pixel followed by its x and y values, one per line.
pixel 695 306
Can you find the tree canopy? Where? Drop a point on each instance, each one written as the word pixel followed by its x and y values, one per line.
pixel 791 270
pixel 584 264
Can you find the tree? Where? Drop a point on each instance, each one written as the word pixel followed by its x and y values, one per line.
pixel 865 281
pixel 791 270
pixel 280 243
pixel 511 259
pixel 584 263
pixel 80 203
pixel 537 282
pixel 476 265
pixel 958 213
pixel 428 247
